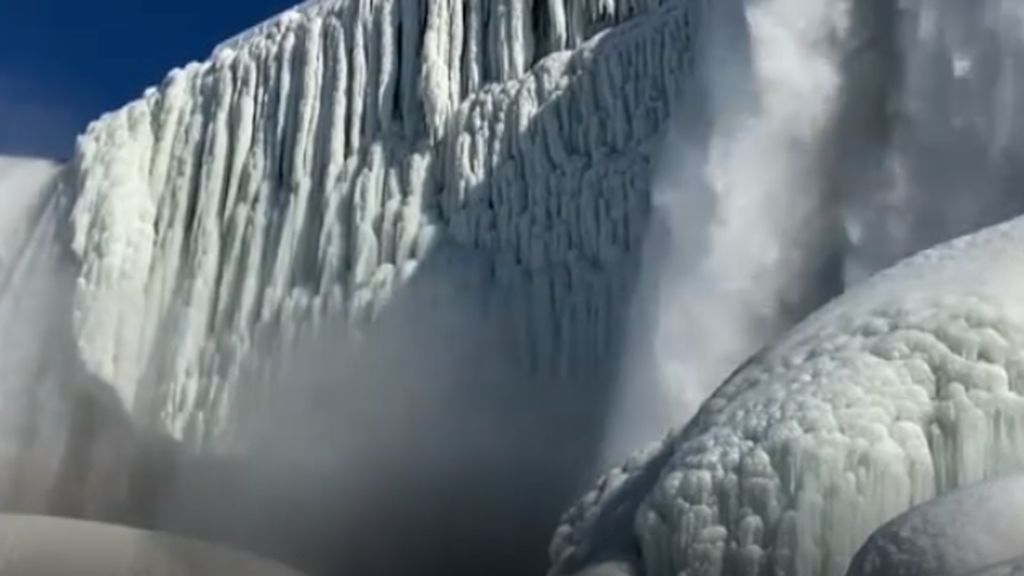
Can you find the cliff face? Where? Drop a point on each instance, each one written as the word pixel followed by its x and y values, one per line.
pixel 312 164
pixel 365 242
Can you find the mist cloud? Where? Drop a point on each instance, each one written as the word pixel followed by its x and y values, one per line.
pixel 31 124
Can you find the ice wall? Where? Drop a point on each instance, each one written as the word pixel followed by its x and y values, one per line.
pixel 306 170
pixel 253 257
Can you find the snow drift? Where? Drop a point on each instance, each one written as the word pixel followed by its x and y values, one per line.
pixel 41 546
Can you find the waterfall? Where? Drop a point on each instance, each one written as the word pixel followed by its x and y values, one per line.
pixel 824 142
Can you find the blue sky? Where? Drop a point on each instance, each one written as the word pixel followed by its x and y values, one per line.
pixel 64 62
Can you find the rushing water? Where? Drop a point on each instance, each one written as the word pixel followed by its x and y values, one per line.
pixel 828 140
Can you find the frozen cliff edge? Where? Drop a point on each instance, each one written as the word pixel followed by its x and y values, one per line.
pixel 906 387
pixel 310 166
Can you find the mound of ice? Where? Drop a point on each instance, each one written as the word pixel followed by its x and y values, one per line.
pixel 958 533
pixel 40 546
pixel 908 386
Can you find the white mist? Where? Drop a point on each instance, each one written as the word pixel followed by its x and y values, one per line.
pixel 743 231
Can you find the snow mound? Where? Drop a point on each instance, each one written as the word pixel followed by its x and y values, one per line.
pixel 908 386
pixel 41 546
pixel 961 532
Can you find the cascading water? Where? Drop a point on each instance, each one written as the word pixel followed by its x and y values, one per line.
pixel 941 151
pixel 744 240
pixel 826 141
pixel 901 131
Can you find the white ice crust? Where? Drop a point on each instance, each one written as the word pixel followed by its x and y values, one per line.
pixel 907 387
pixel 307 168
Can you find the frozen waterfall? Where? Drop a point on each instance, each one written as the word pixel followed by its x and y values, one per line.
pixel 365 242
pixel 379 262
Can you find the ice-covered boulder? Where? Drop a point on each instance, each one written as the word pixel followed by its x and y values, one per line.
pixel 968 530
pixel 908 386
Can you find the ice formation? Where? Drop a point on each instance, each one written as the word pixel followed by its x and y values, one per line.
pixel 306 169
pixel 959 533
pixel 310 175
pixel 42 546
pixel 906 387
pixel 311 169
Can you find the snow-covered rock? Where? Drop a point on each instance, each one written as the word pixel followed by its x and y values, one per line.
pixel 307 169
pixel 42 546
pixel 908 386
pixel 959 533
